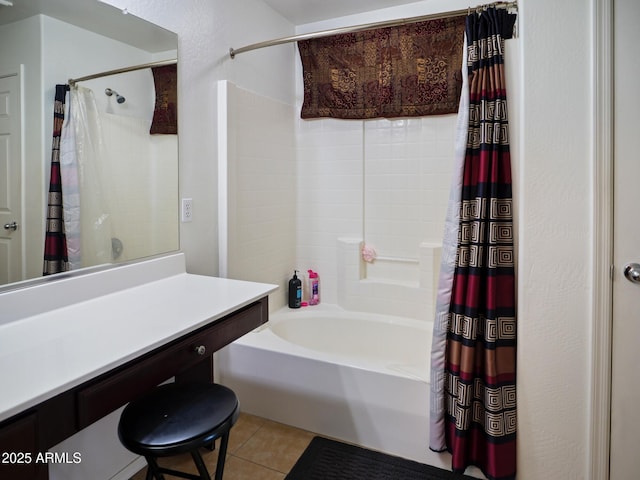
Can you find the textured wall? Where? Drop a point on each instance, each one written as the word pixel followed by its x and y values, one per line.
pixel 555 264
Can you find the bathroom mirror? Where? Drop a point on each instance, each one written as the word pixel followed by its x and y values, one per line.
pixel 48 42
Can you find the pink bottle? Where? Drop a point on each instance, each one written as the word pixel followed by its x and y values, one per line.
pixel 314 288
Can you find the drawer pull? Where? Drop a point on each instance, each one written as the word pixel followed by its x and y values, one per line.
pixel 201 350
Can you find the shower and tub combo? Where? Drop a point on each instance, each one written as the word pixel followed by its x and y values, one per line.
pixel 358 377
pixel 355 367
pixel 347 373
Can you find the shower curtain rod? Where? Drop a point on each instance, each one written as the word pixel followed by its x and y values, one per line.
pixel 161 63
pixel 368 26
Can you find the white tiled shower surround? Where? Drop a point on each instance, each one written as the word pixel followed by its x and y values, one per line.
pixel 358 290
pixel 304 194
pixel 257 190
pixel 144 166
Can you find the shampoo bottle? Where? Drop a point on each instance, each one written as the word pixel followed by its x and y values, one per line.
pixel 295 291
pixel 314 288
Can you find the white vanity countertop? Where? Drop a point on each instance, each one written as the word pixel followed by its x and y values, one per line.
pixel 52 351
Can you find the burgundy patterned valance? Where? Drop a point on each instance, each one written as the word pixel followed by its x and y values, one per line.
pixel 406 71
pixel 165 114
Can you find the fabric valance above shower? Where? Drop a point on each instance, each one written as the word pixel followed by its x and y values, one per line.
pixel 402 71
pixel 165 79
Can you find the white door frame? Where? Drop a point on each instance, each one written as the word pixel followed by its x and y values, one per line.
pixel 19 235
pixel 602 306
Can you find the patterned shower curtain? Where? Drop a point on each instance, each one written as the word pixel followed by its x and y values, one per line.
pixel 474 348
pixel 55 243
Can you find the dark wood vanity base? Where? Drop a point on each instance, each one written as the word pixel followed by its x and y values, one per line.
pixel 26 437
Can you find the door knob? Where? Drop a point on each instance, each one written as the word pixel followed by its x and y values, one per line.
pixel 11 226
pixel 632 272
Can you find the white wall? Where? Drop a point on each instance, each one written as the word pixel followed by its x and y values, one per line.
pixel 555 257
pixel 552 165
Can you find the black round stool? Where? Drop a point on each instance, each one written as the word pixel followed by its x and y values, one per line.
pixel 178 418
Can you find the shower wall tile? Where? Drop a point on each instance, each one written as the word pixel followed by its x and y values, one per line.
pixel 361 290
pixel 408 165
pixel 330 205
pixel 384 181
pixel 293 194
pixel 143 167
pixel 261 190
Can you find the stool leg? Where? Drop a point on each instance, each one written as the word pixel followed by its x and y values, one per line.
pixel 153 471
pixel 202 469
pixel 222 453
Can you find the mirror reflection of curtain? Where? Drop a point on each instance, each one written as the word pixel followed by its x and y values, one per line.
pixel 71 197
pixel 79 227
pixel 55 244
pixel 93 224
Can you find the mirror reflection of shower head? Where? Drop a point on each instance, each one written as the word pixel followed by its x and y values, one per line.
pixel 119 98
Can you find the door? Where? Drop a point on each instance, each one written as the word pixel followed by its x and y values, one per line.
pixel 625 401
pixel 11 236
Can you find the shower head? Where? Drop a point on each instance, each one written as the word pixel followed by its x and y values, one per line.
pixel 109 92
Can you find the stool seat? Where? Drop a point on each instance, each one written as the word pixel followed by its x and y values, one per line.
pixel 178 418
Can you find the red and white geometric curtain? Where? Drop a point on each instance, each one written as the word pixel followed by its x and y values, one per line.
pixel 474 354
pixel 55 242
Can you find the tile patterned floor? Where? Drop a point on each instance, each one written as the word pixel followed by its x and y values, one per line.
pixel 259 449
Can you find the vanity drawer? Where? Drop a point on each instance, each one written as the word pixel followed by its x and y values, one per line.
pixel 114 390
pixel 19 449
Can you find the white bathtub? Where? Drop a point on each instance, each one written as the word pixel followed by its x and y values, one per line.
pixel 359 377
pixel 371 342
